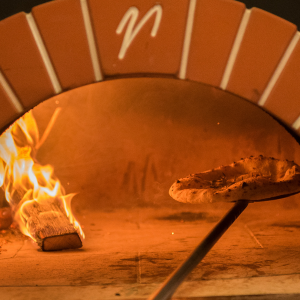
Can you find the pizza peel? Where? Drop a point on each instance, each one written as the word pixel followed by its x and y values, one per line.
pixel 170 285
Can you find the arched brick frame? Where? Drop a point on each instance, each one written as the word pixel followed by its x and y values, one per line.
pixel 66 44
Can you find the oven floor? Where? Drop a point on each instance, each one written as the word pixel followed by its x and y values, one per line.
pixel 127 254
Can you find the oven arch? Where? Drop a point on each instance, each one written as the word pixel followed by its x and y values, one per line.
pixel 67 44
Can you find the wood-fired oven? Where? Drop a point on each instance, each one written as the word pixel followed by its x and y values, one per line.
pixel 129 96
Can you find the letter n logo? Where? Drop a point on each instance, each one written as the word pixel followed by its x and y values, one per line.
pixel 131 17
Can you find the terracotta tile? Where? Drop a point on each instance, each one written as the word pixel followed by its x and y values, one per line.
pixel 8 113
pixel 160 54
pixel 284 100
pixel 62 28
pixel 265 41
pixel 21 62
pixel 215 26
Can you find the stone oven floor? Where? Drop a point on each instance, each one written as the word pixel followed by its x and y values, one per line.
pixel 127 254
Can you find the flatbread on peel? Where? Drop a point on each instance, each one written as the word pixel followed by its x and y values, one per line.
pixel 253 178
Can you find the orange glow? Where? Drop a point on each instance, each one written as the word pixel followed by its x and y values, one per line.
pixel 23 179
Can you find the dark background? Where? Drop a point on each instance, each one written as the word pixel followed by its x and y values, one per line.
pixel 287 9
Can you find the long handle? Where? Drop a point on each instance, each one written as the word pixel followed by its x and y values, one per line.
pixel 168 288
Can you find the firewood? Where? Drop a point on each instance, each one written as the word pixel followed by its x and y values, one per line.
pixel 48 224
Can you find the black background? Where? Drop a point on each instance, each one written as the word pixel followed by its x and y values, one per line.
pixel 287 9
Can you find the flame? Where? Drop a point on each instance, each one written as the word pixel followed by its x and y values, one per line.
pixel 23 179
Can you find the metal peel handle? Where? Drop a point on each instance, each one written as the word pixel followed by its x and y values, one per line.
pixel 168 288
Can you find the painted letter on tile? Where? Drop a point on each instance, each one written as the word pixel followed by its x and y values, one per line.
pixel 131 17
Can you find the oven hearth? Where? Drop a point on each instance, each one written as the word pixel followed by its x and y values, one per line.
pixel 131 254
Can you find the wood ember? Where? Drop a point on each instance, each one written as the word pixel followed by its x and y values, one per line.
pixel 3 201
pixel 49 226
pixel 6 218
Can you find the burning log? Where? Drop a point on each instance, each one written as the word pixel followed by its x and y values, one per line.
pixel 49 226
pixel 36 196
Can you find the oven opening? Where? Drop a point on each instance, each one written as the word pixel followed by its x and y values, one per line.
pixel 117 147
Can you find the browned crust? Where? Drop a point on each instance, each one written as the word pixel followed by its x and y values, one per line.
pixel 253 178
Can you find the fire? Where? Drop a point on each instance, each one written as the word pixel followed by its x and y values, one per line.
pixel 25 182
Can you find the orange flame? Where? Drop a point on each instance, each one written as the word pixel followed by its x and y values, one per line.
pixel 23 179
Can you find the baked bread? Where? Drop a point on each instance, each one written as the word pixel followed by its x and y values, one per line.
pixel 253 178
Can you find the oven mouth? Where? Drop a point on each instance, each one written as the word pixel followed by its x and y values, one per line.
pixel 120 145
